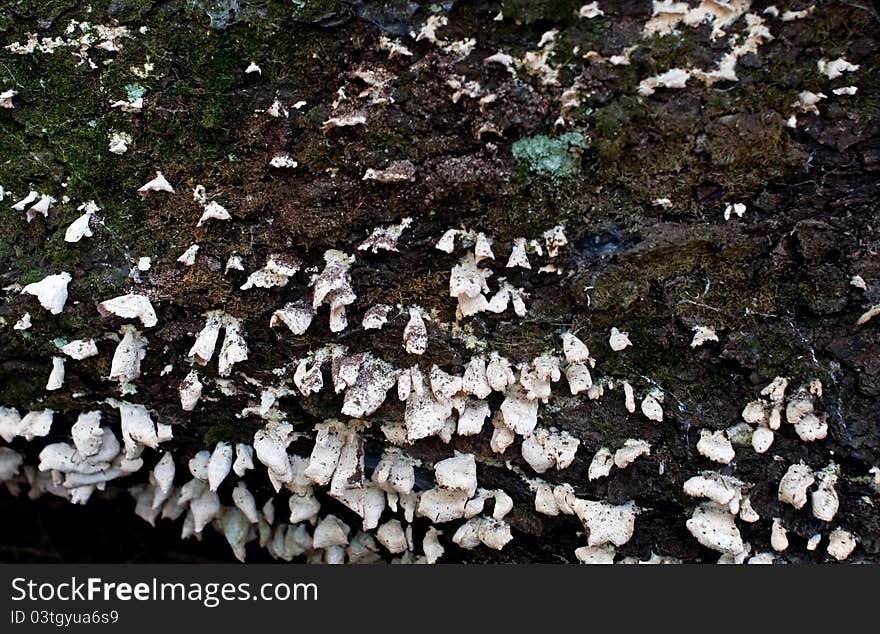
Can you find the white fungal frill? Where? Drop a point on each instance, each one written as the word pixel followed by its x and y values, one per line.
pixel 631 450
pixel 375 317
pixel 79 228
pixel 446 243
pixel 396 172
pixel 794 484
pixel 651 406
pixel 118 142
pixel 824 500
pixel 6 98
pixel 41 207
pixel 835 68
pixel 601 465
pixel 283 161
pixel 715 446
pixel 467 283
pixel 296 316
pixel 80 349
pixel 138 429
pixel 188 257
pixel 270 447
pixel 841 544
pixel 702 334
pixel 51 291
pixel 219 465
pixel 213 211
pixel 415 333
pixel 56 376
pixel 618 340
pixel 130 306
pixel 714 527
pixel 554 239
pixel 385 238
pixel 24 322
pixel 277 272
pixel 547 448
pixel 234 348
pixel 158 184
pixel 244 459
pixel 131 350
pixel 333 287
pixel 203 348
pixel 190 390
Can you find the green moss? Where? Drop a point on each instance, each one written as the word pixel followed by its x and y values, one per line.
pixel 557 157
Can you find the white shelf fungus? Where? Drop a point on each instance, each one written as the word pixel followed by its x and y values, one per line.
pixel 32 425
pixel 79 228
pixel 841 543
pixel 835 68
pixel 415 334
pixel 385 238
pixel 545 449
pixel 715 446
pixel 714 527
pixel 618 340
pixel 190 390
pixel 296 316
pixel 794 484
pixel 51 291
pixel 23 323
pixel 213 211
pixel 333 287
pixel 396 172
pixel 6 98
pixel 458 473
pixel 601 465
pixel 631 450
pixel 80 349
pixel 188 257
pixel 651 407
pixel 778 536
pixel 130 306
pixel 824 500
pixel 158 184
pixel 375 317
pixel 131 350
pixel 702 334
pixel 56 376
pixel 234 348
pixel 277 272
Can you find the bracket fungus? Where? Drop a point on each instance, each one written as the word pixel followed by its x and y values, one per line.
pixel 130 306
pixel 794 484
pixel 277 272
pixel 51 291
pixel 158 184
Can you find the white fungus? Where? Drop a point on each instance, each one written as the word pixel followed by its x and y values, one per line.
pixel 715 446
pixel 631 450
pixel 79 228
pixel 130 306
pixel 415 334
pixel 158 184
pixel 794 484
pixel 702 334
pixel 841 543
pixel 56 377
pixel 277 272
pixel 618 340
pixel 51 291
pixel 213 211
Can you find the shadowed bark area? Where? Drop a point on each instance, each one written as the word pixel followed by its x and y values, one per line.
pixel 512 149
